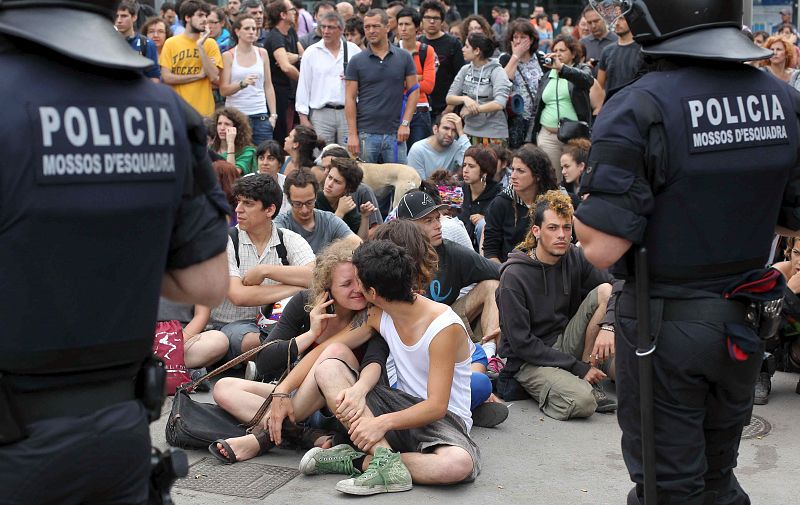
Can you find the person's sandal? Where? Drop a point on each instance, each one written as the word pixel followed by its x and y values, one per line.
pixel 304 437
pixel 264 445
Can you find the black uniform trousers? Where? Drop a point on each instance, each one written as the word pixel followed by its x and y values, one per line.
pixel 100 458
pixel 702 400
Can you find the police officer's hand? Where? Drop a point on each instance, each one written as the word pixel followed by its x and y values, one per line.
pixel 603 347
pixel 794 283
pixel 346 204
pixel 594 375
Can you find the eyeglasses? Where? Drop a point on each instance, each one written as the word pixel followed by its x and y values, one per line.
pixel 300 205
pixel 292 9
pixel 432 19
pixel 329 27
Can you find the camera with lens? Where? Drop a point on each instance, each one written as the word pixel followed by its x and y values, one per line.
pixel 544 60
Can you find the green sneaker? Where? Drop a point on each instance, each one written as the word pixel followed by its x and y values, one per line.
pixel 386 474
pixel 337 459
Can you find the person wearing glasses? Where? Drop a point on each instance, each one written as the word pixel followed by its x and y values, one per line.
pixel 318 227
pixel 320 90
pixel 448 50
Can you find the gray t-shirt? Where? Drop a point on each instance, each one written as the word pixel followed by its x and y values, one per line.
pixel 327 228
pixel 363 195
pixel 426 160
pixel 621 64
pixel 594 47
pixel 169 310
pixel 381 84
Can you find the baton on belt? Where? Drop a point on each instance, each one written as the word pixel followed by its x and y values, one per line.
pixel 645 348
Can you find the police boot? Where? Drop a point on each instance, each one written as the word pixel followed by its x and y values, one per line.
pixel 762 389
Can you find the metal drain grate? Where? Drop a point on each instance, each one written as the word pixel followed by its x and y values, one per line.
pixel 758 427
pixel 245 479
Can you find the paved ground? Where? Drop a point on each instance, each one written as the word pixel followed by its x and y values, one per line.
pixel 533 459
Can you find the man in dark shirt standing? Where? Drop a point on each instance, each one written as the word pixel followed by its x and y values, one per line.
pixel 381 95
pixel 619 63
pixel 599 39
pixel 284 51
pixel 448 51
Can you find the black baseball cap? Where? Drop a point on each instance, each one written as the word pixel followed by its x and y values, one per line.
pixel 416 205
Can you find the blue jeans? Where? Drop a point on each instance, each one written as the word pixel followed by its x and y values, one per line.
pixel 262 128
pixel 382 148
pixel 420 127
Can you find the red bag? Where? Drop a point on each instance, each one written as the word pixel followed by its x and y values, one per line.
pixel 168 345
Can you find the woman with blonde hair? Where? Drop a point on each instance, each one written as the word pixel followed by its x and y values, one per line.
pixel 333 304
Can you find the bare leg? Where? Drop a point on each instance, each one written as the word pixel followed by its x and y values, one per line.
pixel 447 465
pixel 241 398
pixel 305 402
pixel 250 341
pixel 481 302
pixel 204 349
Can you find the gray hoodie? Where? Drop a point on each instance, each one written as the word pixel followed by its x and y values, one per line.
pixel 485 84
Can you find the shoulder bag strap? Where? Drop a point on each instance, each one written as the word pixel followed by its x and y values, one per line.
pixel 344 59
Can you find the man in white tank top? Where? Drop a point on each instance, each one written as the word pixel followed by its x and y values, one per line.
pixel 419 431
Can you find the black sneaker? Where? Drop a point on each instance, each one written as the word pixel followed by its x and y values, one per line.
pixel 762 389
pixel 605 404
pixel 489 414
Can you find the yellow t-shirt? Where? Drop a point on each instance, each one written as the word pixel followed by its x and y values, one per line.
pixel 181 56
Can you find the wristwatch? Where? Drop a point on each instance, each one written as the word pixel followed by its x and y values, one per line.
pixel 404 122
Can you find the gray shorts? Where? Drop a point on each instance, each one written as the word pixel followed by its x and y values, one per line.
pixel 449 430
pixel 235 332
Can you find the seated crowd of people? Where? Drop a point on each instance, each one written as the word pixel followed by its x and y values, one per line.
pixel 401 225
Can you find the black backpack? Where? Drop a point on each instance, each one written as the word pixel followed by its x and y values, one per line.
pixel 233 233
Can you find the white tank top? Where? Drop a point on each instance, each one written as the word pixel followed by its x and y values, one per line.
pixel 250 100
pixel 413 363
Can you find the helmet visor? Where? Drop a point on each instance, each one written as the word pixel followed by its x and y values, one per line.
pixel 611 10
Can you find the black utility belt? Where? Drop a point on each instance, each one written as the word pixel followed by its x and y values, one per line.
pixel 333 106
pixel 74 401
pixel 710 310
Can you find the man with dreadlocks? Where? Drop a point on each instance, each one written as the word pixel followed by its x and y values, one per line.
pixel 558 346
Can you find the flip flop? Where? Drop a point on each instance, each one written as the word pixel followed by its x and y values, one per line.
pixel 231 459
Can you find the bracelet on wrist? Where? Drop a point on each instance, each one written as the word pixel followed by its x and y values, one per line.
pixel 607 327
pixel 280 395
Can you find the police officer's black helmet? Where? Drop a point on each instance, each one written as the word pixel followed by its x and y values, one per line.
pixel 82 30
pixel 707 29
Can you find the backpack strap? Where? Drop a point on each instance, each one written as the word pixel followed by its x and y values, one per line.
pixel 281 249
pixel 283 254
pixel 233 233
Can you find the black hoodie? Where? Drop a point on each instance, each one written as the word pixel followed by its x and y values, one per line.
pixel 536 302
pixel 479 205
pixel 506 225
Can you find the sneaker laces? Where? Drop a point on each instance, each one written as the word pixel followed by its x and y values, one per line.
pixel 341 463
pixel 379 460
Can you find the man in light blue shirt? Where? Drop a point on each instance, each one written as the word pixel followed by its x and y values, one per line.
pixel 443 150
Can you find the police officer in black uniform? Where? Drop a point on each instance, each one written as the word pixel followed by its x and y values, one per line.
pixel 107 199
pixel 697 161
